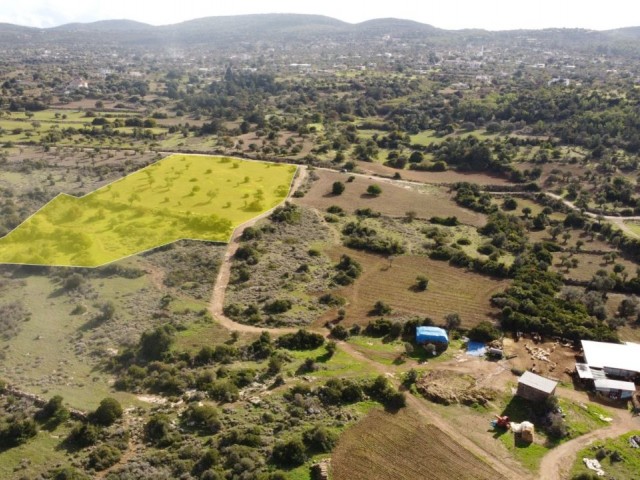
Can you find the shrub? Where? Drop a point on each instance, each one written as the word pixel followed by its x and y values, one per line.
pixel 73 281
pixel 224 391
pixel 155 343
pixel 158 430
pixel 278 306
pixel 445 221
pixel 301 340
pixel 290 453
pixel 319 439
pixel 339 332
pixel 337 188
pixel 374 190
pixel 203 417
pixel 332 300
pixel 103 457
pixel 485 331
pixel 422 283
pixel 83 435
pixel 108 412
pixel 381 308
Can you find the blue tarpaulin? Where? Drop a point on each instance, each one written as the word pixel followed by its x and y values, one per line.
pixel 431 334
pixel 476 349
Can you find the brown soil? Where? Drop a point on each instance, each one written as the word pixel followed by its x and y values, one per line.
pixel 388 446
pixel 396 200
pixel 447 387
pixel 442 178
pixel 531 356
pixel 450 289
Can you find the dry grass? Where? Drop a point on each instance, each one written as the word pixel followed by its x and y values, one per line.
pixel 589 264
pixel 450 289
pixel 396 199
pixel 387 446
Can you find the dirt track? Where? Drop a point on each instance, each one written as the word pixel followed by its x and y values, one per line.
pixel 555 465
pixel 558 462
pixel 216 305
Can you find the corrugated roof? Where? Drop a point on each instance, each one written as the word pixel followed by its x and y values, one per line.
pixel 608 384
pixel 584 371
pixel 622 356
pixel 536 381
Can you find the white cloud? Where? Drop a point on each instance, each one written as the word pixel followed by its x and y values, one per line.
pixel 490 14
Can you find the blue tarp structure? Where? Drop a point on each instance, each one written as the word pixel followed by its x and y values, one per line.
pixel 476 349
pixel 431 335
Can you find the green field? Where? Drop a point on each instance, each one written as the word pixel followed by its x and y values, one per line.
pixel 180 197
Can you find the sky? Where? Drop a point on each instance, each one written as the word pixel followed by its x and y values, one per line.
pixel 449 14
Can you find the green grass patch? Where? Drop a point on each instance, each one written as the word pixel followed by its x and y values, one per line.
pixel 182 196
pixel 35 456
pixel 627 469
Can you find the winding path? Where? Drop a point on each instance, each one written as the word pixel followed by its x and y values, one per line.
pixel 555 464
pixel 558 462
pixel 216 305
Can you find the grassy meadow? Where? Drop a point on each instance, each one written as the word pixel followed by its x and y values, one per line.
pixel 182 196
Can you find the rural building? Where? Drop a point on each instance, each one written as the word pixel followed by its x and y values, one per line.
pixel 614 389
pixel 534 387
pixel 621 360
pixel 434 335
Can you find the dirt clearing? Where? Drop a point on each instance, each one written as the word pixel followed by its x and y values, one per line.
pixel 396 199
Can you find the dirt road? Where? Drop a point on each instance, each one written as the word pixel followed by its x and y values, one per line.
pixel 216 305
pixel 556 464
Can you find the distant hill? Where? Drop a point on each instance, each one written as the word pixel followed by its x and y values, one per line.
pixel 103 26
pixel 287 29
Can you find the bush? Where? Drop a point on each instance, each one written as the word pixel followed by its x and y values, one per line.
pixel 319 439
pixel 422 283
pixel 67 473
pixel 278 306
pixel 290 453
pixel 485 331
pixel 445 221
pixel 158 430
pixel 301 340
pixel 203 417
pixel 103 457
pixel 108 412
pixel 54 411
pixel 224 391
pixel 16 431
pixel 73 281
pixel 337 188
pixel 381 308
pixel 374 190
pixel 339 332
pixel 155 343
pixel 83 435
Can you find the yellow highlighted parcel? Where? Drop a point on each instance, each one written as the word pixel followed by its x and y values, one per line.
pixel 179 197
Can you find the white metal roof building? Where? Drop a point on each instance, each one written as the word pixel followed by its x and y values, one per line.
pixel 534 387
pixel 614 388
pixel 617 359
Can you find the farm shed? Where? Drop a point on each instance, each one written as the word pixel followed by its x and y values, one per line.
pixel 534 387
pixel 432 335
pixel 614 389
pixel 620 360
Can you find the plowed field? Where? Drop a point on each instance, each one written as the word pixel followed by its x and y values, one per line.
pixel 403 446
pixel 450 289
